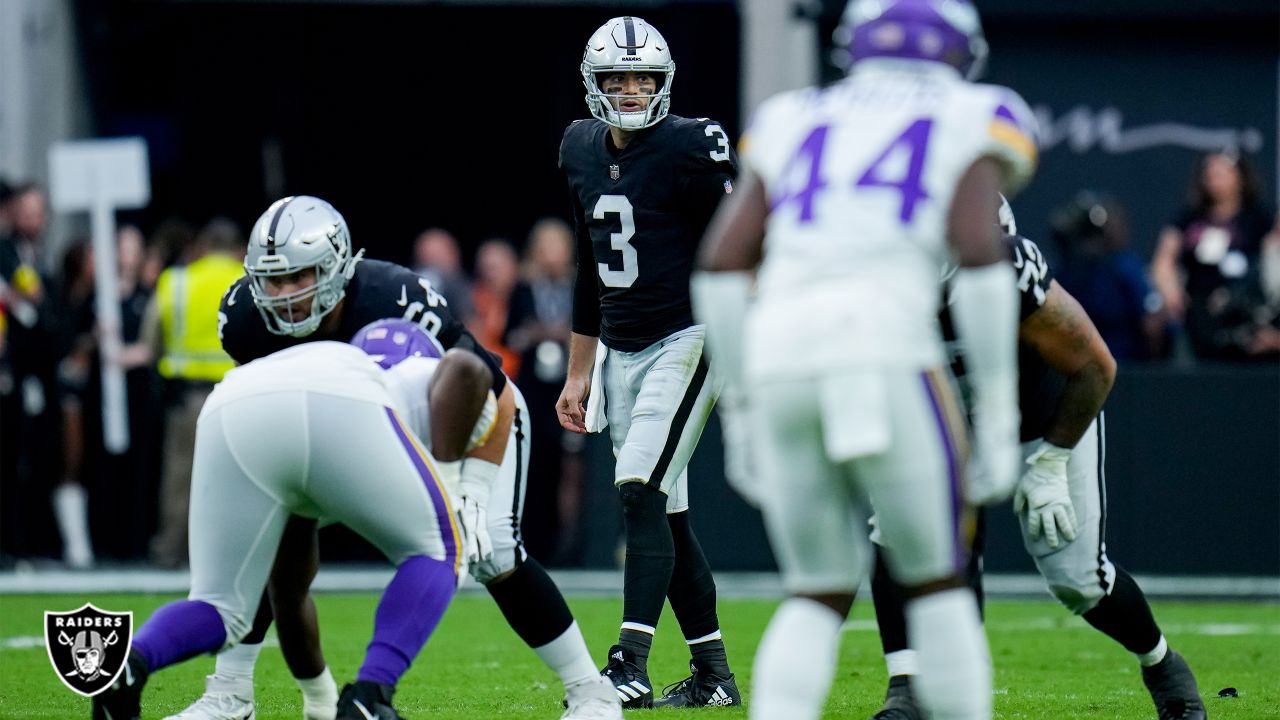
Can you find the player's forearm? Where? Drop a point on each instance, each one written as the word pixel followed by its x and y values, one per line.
pixel 582 355
pixel 495 447
pixel 1085 393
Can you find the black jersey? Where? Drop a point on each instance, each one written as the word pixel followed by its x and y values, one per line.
pixel 639 214
pixel 1040 387
pixel 378 290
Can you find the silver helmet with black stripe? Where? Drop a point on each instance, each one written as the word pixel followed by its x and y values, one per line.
pixel 295 237
pixel 627 44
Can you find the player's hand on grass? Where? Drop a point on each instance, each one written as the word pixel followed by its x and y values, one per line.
pixel 570 408
pixel 1044 495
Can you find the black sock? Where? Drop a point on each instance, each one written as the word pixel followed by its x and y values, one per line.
pixel 891 606
pixel 974 568
pixel 710 656
pixel 650 561
pixel 637 643
pixel 1125 616
pixel 693 597
pixel 532 604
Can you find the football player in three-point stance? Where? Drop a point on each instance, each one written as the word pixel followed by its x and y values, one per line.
pixel 850 197
pixel 643 185
pixel 304 284
pixel 312 431
pixel 1065 374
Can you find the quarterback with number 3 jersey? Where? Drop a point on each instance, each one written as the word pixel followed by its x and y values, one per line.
pixel 643 184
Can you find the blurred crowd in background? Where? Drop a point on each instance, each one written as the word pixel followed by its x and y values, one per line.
pixel 1209 293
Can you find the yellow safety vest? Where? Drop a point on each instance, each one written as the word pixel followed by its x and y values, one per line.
pixel 188 300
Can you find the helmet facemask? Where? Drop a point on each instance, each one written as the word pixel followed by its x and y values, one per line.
pixel 606 107
pixel 627 44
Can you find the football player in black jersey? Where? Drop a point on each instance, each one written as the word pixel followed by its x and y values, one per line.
pixel 643 185
pixel 303 283
pixel 1065 374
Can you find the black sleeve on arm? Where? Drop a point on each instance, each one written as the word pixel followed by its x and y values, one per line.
pixel 703 194
pixel 705 180
pixel 586 290
pixel 455 335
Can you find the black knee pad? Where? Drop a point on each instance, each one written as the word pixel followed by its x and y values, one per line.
pixel 637 498
pixel 644 510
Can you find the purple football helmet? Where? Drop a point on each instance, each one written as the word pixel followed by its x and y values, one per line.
pixel 945 31
pixel 390 341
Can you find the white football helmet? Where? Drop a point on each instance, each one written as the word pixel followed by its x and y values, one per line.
pixel 295 234
pixel 628 44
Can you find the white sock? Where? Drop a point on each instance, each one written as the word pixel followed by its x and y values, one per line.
pixel 795 662
pixel 1156 655
pixel 237 664
pixel 319 696
pixel 70 507
pixel 955 665
pixel 568 657
pixel 902 662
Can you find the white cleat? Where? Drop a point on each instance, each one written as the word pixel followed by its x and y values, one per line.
pixel 223 699
pixel 595 699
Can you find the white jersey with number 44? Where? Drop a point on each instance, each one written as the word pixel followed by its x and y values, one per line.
pixel 860 177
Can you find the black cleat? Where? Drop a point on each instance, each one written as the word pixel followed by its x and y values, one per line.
pixel 1173 689
pixel 123 700
pixel 899 701
pixel 366 700
pixel 629 679
pixel 701 689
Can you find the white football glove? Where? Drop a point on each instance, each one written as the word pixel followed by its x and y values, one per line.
pixel 997 455
pixel 1046 497
pixel 740 467
pixel 473 490
pixel 477 546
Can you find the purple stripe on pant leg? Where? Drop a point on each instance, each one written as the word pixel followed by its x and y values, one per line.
pixel 409 611
pixel 433 490
pixel 178 631
pixel 953 476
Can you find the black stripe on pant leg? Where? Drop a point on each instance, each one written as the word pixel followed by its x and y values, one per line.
pixel 678 422
pixel 515 494
pixel 1102 504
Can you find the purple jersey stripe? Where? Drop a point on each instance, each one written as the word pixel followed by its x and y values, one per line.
pixel 937 400
pixel 444 513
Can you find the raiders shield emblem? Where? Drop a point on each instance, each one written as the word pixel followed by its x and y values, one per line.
pixel 88 647
pixel 615 172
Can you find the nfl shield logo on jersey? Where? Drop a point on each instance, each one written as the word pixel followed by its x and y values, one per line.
pixel 88 646
pixel 615 172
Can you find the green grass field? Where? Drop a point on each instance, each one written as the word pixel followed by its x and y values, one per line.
pixel 1048 663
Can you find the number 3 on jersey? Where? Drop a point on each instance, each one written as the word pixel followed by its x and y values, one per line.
pixel 888 170
pixel 619 241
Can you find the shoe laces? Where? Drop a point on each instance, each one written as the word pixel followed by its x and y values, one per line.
pixel 679 686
